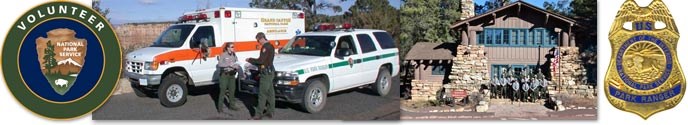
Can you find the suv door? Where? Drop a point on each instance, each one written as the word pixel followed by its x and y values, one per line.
pixel 369 60
pixel 343 65
pixel 202 68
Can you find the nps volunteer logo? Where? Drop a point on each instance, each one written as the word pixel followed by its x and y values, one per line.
pixel 61 60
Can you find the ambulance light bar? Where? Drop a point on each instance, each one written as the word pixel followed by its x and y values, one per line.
pixel 197 17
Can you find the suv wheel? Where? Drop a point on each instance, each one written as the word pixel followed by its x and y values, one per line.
pixel 315 96
pixel 172 91
pixel 383 83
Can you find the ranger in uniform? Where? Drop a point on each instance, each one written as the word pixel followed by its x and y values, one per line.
pixel 493 86
pixel 524 89
pixel 227 63
pixel 543 87
pixel 535 89
pixel 504 87
pixel 515 86
pixel 266 91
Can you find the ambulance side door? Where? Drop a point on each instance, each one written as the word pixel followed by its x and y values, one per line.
pixel 202 68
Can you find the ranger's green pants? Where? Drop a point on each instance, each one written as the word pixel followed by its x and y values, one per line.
pixel 266 93
pixel 227 87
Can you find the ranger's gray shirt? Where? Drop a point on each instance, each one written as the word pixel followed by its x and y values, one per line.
pixel 228 62
pixel 536 83
pixel 515 85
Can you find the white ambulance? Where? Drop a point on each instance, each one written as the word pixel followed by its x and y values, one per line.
pixel 185 54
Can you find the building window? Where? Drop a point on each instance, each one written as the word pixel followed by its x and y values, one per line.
pixel 498 36
pixel 529 37
pixel 516 37
pixel 518 69
pixel 538 37
pixel 505 34
pixel 480 37
pixel 497 70
pixel 533 68
pixel 553 36
pixel 438 70
pixel 489 36
pixel 521 37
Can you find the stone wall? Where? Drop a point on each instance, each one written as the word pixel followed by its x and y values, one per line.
pixel 570 75
pixel 570 71
pixel 138 35
pixel 470 69
pixel 422 90
pixel 580 90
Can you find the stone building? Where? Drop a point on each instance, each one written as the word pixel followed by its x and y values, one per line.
pixel 431 65
pixel 520 35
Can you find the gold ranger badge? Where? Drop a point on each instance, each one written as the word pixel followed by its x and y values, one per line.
pixel 644 76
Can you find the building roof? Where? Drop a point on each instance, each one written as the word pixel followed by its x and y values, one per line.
pixel 517 4
pixel 432 51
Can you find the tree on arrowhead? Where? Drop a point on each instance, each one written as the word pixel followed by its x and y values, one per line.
pixel 49 57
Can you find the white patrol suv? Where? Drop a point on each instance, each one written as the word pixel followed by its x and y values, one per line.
pixel 314 64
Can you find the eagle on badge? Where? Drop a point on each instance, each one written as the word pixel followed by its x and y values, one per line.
pixel 644 76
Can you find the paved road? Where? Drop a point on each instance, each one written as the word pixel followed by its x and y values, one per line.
pixel 355 104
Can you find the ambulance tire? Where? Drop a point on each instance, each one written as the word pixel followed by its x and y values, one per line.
pixel 383 82
pixel 172 91
pixel 315 96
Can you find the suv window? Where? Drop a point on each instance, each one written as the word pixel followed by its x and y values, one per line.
pixel 366 43
pixel 205 35
pixel 310 45
pixel 346 43
pixel 384 39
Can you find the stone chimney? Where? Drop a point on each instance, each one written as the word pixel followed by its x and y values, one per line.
pixel 467 9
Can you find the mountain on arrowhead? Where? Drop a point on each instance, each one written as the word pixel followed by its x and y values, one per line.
pixel 67 66
pixel 68 61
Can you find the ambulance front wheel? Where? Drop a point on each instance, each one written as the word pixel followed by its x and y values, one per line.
pixel 172 91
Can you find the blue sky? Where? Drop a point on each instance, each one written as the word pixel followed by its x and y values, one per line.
pixel 131 11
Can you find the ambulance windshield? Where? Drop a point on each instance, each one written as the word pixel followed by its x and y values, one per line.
pixel 173 36
pixel 310 45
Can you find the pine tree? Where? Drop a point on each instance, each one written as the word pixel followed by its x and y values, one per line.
pixel 49 57
pixel 427 21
